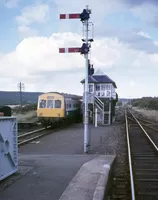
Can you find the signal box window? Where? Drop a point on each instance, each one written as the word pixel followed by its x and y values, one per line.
pixel 42 104
pixel 49 103
pixel 57 103
pixel 103 87
pixel 97 87
pixel 90 88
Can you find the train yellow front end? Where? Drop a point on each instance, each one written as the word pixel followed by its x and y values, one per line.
pixel 51 108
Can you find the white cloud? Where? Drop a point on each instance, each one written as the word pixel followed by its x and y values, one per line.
pixel 26 31
pixel 147 12
pixel 141 33
pixel 38 13
pixel 37 63
pixel 155 43
pixel 142 59
pixel 11 3
pixel 154 60
pixel 132 83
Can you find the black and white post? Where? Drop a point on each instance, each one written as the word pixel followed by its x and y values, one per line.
pixel 86 117
pixel 84 50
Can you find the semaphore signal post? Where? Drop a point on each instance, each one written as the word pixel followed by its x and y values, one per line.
pixel 84 50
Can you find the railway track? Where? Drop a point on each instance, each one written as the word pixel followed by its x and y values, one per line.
pixel 32 135
pixel 120 183
pixel 24 138
pixel 135 175
pixel 143 158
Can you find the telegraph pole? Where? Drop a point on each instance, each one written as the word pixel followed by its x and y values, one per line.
pixel 84 50
pixel 21 87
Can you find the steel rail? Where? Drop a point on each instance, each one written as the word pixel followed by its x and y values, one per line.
pixel 129 158
pixel 144 131
pixel 147 125
pixel 31 132
pixel 143 120
pixel 31 139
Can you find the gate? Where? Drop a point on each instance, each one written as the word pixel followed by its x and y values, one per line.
pixel 8 146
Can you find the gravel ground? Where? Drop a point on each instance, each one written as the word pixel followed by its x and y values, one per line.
pixel 120 183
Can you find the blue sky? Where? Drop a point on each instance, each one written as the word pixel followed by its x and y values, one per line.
pixel 125 45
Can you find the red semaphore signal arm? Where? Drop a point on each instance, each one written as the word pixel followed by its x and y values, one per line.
pixel 70 50
pixel 70 16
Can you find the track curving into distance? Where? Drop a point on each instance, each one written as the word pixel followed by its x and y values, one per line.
pixel 143 158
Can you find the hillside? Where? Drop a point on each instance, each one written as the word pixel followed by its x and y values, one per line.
pixel 12 98
pixel 150 103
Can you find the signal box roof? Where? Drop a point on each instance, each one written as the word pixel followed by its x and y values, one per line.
pixel 99 77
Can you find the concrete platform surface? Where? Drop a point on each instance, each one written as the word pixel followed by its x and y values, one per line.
pixel 91 181
pixel 104 140
pixel 53 177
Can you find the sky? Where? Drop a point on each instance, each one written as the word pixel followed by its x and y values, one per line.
pixel 125 45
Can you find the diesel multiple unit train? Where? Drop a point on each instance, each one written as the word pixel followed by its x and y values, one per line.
pixel 55 107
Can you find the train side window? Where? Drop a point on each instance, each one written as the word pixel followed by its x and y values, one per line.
pixel 42 104
pixel 57 103
pixel 49 103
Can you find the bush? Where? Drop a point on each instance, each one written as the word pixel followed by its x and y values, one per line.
pixel 119 103
pixel 150 103
pixel 26 108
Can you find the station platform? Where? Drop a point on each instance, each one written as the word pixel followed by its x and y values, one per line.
pixel 55 167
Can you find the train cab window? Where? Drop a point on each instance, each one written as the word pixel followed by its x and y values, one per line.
pixel 49 103
pixel 42 103
pixel 57 103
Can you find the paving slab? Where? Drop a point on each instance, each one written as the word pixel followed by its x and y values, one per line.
pixel 46 177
